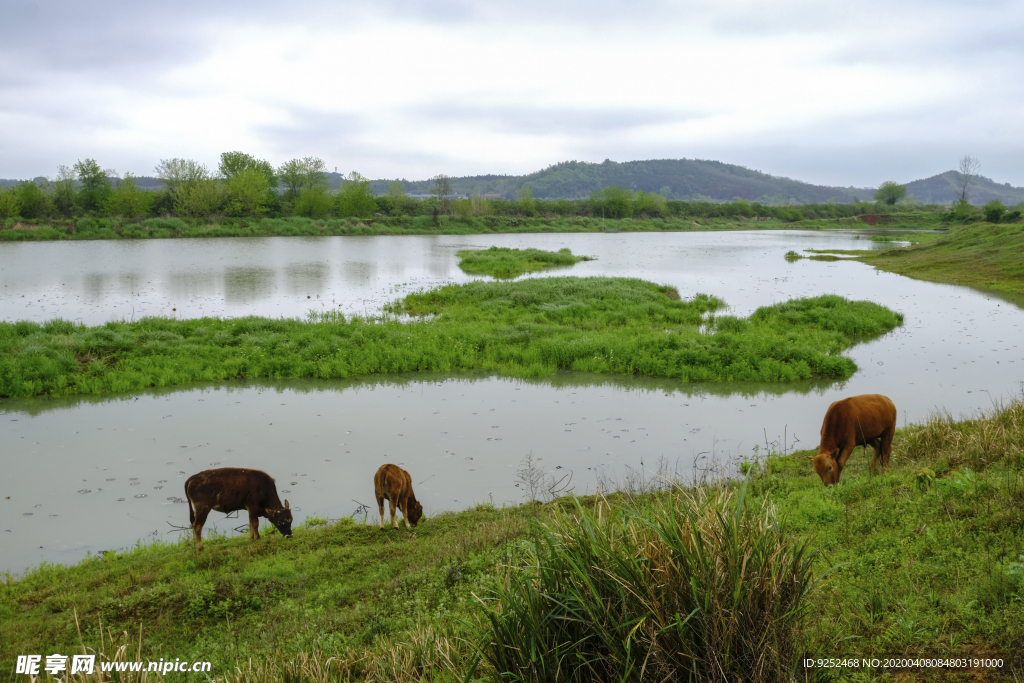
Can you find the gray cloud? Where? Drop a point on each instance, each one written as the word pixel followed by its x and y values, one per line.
pixel 540 120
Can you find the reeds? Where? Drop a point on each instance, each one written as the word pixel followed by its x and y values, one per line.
pixel 691 586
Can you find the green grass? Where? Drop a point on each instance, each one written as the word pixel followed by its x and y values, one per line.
pixel 982 254
pixel 531 328
pixel 167 228
pixel 506 263
pixel 924 560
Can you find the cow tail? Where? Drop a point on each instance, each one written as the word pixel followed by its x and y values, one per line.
pixel 191 512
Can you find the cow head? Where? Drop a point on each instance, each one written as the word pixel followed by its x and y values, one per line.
pixel 826 466
pixel 282 519
pixel 415 510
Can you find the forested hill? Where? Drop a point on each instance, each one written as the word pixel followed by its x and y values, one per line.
pixel 945 188
pixel 686 179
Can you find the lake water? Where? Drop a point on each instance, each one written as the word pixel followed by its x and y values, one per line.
pixel 85 474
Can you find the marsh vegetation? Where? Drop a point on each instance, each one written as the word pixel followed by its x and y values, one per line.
pixel 507 263
pixel 531 328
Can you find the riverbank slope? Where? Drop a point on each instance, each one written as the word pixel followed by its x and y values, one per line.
pixel 926 560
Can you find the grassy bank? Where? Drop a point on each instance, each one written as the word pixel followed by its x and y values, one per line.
pixel 981 255
pixel 15 230
pixel 922 561
pixel 531 328
pixel 505 263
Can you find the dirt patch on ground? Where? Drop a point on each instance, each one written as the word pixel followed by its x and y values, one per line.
pixel 874 219
pixel 671 293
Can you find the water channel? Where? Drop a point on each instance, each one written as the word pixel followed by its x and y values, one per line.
pixel 89 474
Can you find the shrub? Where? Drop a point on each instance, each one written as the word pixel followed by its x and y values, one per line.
pixel 994 211
pixel 694 587
pixel 10 203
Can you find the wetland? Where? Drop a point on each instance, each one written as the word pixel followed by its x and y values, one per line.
pixel 957 350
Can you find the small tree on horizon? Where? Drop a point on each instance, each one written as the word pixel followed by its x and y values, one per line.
pixel 968 167
pixel 441 188
pixel 890 192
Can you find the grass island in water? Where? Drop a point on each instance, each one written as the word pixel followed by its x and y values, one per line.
pixel 530 328
pixel 506 263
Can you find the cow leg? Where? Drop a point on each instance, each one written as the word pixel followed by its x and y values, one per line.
pixel 886 448
pixel 254 524
pixel 380 506
pixel 844 455
pixel 394 520
pixel 405 514
pixel 197 527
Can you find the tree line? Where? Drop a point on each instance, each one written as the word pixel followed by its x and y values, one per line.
pixel 246 187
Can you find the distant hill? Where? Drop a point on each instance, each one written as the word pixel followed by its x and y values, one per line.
pixel 684 179
pixel 687 179
pixel 945 188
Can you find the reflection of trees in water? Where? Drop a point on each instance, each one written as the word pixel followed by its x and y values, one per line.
pixel 568 380
pixel 307 278
pixel 246 285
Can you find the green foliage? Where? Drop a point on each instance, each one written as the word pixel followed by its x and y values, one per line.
pixel 95 187
pixel 128 200
pixel 994 211
pixel 314 202
pixel 10 202
pixel 613 202
pixel 649 204
pixel 962 212
pixel 198 199
pixel 178 173
pixel 34 202
pixel 890 192
pixel 355 198
pixel 63 188
pixel 297 174
pixel 233 163
pixel 503 262
pixel 526 202
pixel 529 328
pixel 246 191
pixel 692 584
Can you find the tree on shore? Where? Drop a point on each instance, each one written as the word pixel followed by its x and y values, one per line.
pixel 233 163
pixel 95 186
pixel 890 192
pixel 176 173
pixel 128 199
pixel 441 188
pixel 968 167
pixel 299 174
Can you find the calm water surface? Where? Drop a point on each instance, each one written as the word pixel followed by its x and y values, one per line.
pixel 85 475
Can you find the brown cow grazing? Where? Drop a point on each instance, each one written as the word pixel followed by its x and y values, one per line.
pixel 866 420
pixel 395 484
pixel 233 488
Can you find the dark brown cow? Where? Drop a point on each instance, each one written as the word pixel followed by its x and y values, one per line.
pixel 866 420
pixel 395 484
pixel 232 488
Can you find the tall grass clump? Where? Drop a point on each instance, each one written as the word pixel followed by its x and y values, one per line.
pixel 503 262
pixel 694 586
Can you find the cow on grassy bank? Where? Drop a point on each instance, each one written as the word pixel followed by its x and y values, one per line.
pixel 233 488
pixel 865 420
pixel 395 484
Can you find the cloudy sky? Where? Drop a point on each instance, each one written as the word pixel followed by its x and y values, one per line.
pixel 837 93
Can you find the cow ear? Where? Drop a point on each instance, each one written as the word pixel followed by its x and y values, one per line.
pixel 286 506
pixel 810 457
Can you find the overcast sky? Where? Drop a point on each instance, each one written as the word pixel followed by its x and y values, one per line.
pixel 835 93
